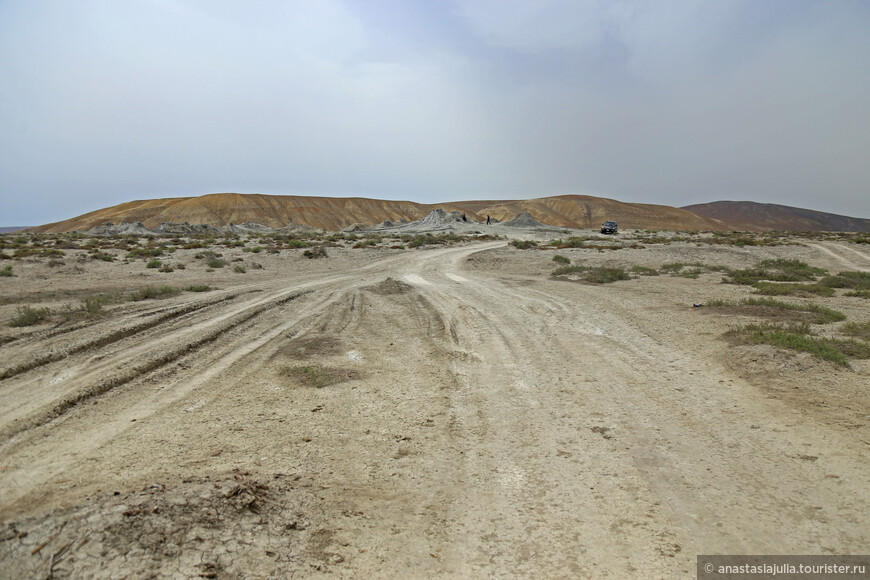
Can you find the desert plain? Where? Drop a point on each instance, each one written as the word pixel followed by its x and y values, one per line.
pixel 447 408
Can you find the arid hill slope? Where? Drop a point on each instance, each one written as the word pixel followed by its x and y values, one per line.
pixel 331 213
pixel 752 216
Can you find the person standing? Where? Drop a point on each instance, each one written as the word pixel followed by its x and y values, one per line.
pixel 487 220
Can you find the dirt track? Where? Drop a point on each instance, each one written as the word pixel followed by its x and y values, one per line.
pixel 492 422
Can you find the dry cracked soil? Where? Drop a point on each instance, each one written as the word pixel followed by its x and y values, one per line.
pixel 448 411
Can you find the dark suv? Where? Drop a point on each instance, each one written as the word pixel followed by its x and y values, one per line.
pixel 609 227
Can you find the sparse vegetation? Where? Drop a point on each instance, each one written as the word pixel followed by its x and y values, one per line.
pixel 596 275
pixel 28 316
pixel 561 259
pixel 812 313
pixel 315 252
pixel 216 263
pixel 605 275
pixel 779 270
pixel 198 288
pixel 152 292
pixel 524 244
pixel 794 337
pixel 779 289
pixel 857 329
pixel 239 269
pixel 644 271
pixel 155 263
pixel 848 279
pixel 6 272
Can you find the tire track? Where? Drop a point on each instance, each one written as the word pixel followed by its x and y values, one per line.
pixel 111 337
pixel 139 369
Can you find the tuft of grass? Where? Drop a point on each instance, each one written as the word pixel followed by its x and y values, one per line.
pixel 315 253
pixel 198 288
pixel 848 279
pixel 28 316
pixel 145 253
pixel 155 263
pixel 565 270
pixel 857 329
pixel 239 269
pixel 603 275
pixel 793 337
pixel 524 244
pixel 779 270
pixel 152 292
pixel 859 293
pixel 561 259
pixel 789 270
pixel 295 244
pixel 644 271
pixel 6 272
pixel 778 289
pixel 216 263
pixel 770 306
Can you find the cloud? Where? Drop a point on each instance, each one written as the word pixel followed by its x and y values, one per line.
pixel 662 102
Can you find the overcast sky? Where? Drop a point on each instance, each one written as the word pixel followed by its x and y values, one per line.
pixel 672 102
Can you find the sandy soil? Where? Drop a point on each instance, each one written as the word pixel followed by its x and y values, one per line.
pixel 476 418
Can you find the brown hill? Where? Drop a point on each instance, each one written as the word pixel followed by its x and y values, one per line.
pixel 333 213
pixel 752 216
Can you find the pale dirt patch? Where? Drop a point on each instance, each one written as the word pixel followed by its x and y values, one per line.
pixel 491 421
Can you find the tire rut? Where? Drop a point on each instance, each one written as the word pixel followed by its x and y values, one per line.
pixel 136 370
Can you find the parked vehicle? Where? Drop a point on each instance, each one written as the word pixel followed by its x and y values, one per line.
pixel 609 227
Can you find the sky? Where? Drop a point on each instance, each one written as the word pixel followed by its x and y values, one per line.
pixel 655 101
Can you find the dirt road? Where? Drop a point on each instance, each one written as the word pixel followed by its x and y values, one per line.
pixel 472 421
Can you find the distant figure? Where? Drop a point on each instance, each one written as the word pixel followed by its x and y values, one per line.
pixel 465 219
pixel 489 223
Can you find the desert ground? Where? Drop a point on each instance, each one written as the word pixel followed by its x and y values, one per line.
pixel 448 410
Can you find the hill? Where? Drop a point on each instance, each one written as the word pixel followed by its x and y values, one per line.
pixel 333 213
pixel 752 216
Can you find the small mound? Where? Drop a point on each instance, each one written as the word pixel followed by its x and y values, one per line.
pixel 390 286
pixel 523 220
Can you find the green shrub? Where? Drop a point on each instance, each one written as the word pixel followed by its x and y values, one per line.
pixel 295 244
pixel 239 269
pixel 848 279
pixel 777 289
pixel 859 293
pixel 216 263
pixel 561 259
pixel 6 272
pixel 857 329
pixel 603 275
pixel 198 288
pixel 792 270
pixel 565 270
pixel 155 263
pixel 151 293
pixel 145 253
pixel 315 253
pixel 524 244
pixel 28 316
pixel 794 337
pixel 644 271
pixel 770 306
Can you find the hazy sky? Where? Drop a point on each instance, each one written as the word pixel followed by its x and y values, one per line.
pixel 673 102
